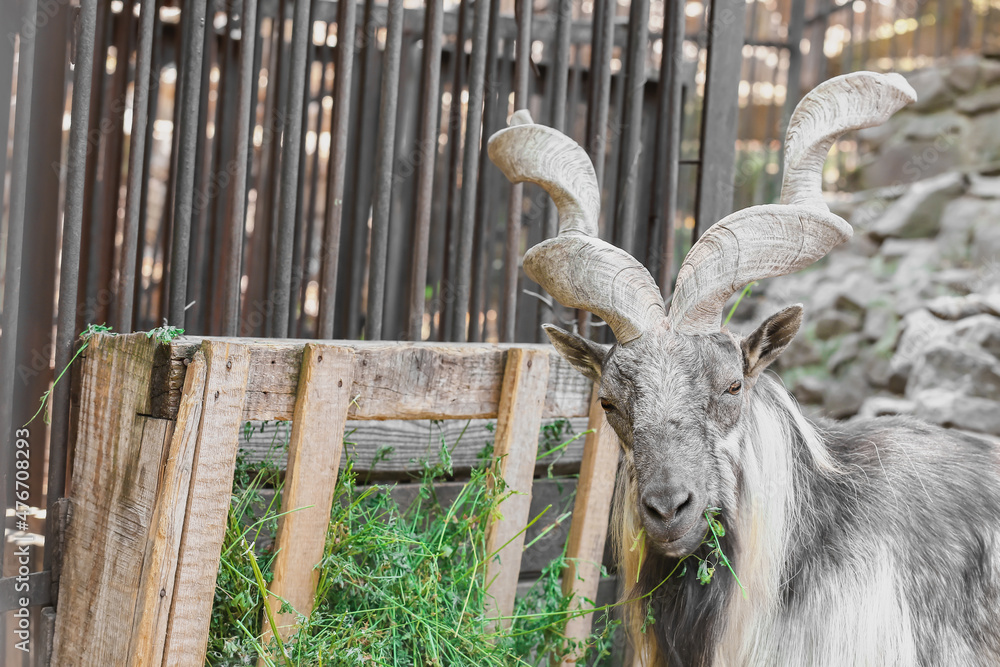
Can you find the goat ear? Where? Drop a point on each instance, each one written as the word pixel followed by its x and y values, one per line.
pixel 770 339
pixel 584 355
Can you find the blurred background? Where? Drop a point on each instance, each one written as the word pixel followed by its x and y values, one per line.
pixel 230 168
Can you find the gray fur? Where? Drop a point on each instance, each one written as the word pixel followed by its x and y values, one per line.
pixel 874 542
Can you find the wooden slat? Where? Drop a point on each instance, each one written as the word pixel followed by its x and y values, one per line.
pixel 391 380
pixel 313 462
pixel 149 627
pixel 408 443
pixel 587 533
pixel 520 416
pixel 227 369
pixel 115 473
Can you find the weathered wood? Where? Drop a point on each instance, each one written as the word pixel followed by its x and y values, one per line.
pixel 313 462
pixel 115 473
pixel 391 380
pixel 392 450
pixel 227 369
pixel 518 421
pixel 585 548
pixel 149 625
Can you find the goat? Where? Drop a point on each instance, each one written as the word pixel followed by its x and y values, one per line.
pixel 875 542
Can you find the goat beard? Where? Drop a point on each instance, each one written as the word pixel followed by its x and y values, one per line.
pixel 674 621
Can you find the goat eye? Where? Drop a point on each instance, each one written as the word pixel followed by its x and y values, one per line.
pixel 735 387
pixel 607 405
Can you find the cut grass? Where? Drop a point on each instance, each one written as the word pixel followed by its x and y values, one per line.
pixel 397 586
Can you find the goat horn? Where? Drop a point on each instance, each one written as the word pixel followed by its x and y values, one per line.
pixel 778 239
pixel 849 102
pixel 577 268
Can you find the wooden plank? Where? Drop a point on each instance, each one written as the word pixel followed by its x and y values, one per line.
pixel 227 369
pixel 115 473
pixel 149 625
pixel 520 416
pixel 392 450
pixel 391 380
pixel 587 533
pixel 313 462
pixel 719 113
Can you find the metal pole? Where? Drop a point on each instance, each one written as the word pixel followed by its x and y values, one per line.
pixel 187 148
pixel 15 244
pixel 69 267
pixel 515 199
pixel 672 68
pixel 290 149
pixel 558 121
pixel 136 153
pixel 470 169
pixel 429 127
pixel 383 170
pixel 631 152
pixel 334 209
pixel 237 191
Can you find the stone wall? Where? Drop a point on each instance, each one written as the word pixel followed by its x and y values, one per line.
pixel 905 318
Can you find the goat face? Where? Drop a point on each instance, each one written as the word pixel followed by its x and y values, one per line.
pixel 677 403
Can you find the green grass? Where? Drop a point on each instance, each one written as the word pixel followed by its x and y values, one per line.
pixel 397 586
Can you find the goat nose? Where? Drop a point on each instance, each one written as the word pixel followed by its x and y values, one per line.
pixel 665 507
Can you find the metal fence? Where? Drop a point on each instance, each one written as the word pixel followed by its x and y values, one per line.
pixel 229 168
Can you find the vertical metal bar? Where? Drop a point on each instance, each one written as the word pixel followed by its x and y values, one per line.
pixel 718 126
pixel 292 127
pixel 866 36
pixel 334 209
pixel 325 56
pixel 136 155
pixel 748 115
pixel 140 297
pixel 668 146
pixel 298 235
pixel 965 25
pixel 796 24
pixel 559 71
pixel 595 65
pixel 515 199
pixel 224 153
pixel 383 170
pixel 480 253
pixel 454 156
pixel 600 99
pixel 939 33
pixel 361 193
pixel 15 244
pixel 427 149
pixel 237 191
pixel 201 230
pixel 470 169
pixel 69 268
pixel 7 15
pixel 629 157
pixel 187 148
pixel 259 261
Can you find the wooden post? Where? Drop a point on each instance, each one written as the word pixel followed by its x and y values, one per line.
pixel 227 370
pixel 115 474
pixel 522 401
pixel 149 627
pixel 587 533
pixel 314 451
